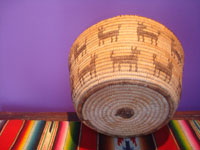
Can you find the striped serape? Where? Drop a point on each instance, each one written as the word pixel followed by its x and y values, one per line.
pixel 58 135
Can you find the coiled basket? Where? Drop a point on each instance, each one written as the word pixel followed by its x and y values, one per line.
pixel 126 75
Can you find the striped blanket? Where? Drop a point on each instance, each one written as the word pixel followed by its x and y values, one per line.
pixel 42 135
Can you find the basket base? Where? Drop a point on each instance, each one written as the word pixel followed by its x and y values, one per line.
pixel 125 110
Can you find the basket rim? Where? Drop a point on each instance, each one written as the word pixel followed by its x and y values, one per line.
pixel 118 16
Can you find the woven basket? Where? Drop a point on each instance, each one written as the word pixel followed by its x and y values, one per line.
pixel 126 75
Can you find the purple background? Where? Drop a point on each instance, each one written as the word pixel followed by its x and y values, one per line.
pixel 36 36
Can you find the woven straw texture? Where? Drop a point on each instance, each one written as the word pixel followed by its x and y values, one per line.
pixel 126 75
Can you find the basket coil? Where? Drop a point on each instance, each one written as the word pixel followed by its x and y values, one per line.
pixel 126 75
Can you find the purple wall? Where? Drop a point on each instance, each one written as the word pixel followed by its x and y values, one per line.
pixel 36 36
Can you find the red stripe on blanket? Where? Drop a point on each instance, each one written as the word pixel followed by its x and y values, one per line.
pixel 88 139
pixel 22 134
pixel 9 134
pixel 164 139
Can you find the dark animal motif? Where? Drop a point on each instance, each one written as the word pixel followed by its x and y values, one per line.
pixel 142 33
pixel 72 83
pixel 174 52
pixel 163 68
pixel 126 59
pixel 179 87
pixel 79 49
pixel 91 68
pixel 102 35
pixel 70 65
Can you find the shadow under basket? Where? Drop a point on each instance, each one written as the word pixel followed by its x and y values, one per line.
pixel 126 75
